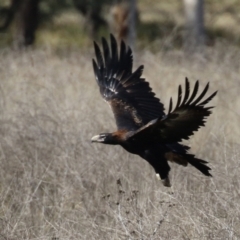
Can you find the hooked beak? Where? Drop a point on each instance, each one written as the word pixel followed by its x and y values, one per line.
pixel 96 139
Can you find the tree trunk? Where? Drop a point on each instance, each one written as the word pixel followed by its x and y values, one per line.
pixel 119 15
pixel 26 22
pixel 132 23
pixel 122 22
pixel 194 33
pixel 91 10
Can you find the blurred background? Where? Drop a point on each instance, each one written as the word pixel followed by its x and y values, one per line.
pixel 165 24
pixel 55 184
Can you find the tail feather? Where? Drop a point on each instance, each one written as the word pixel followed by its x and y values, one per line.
pixel 184 159
pixel 199 164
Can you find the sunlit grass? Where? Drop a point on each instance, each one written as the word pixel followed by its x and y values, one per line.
pixel 55 183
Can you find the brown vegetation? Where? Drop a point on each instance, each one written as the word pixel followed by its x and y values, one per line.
pixel 55 184
pixel 119 20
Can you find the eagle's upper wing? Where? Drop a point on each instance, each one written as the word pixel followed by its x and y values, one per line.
pixel 188 116
pixel 130 96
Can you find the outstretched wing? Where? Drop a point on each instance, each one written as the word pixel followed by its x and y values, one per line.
pixel 130 96
pixel 188 116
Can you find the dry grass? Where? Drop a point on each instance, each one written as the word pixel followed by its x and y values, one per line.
pixel 55 184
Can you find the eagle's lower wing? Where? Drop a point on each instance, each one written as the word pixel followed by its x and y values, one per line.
pixel 130 96
pixel 188 116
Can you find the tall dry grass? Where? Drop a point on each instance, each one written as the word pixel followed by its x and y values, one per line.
pixel 55 184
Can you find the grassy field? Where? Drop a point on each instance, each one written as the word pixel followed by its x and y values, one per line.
pixel 55 184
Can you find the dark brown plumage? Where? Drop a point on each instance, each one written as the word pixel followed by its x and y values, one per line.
pixel 143 127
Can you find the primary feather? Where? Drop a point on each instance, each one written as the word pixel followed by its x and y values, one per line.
pixel 188 116
pixel 129 95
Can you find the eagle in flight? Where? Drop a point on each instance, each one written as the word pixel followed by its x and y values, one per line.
pixel 143 127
